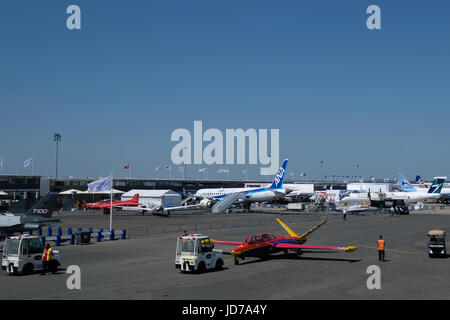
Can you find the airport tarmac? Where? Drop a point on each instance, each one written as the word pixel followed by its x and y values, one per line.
pixel 143 267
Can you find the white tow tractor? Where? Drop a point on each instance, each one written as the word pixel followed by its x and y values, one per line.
pixel 196 253
pixel 23 255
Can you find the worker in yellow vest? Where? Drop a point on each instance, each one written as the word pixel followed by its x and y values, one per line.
pixel 381 247
pixel 46 258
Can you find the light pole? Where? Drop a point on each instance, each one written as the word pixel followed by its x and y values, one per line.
pixel 321 169
pixel 57 138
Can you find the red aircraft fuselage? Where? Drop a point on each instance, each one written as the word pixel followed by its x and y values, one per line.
pixel 106 204
pixel 262 245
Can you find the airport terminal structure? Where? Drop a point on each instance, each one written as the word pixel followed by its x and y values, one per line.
pixel 22 186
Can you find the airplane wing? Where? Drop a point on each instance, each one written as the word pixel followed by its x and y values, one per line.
pixel 300 246
pixel 39 224
pixel 195 206
pixel 227 242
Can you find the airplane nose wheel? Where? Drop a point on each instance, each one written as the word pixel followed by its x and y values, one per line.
pixel 236 260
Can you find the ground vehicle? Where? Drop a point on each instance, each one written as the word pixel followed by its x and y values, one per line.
pixel 195 252
pixel 23 255
pixel 399 206
pixel 436 243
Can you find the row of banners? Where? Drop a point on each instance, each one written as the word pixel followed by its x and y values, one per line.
pixel 27 163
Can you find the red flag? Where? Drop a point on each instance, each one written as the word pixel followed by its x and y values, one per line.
pixel 127 166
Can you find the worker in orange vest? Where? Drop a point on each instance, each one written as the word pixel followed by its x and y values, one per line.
pixel 46 258
pixel 381 247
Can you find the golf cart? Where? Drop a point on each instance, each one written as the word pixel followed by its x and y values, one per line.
pixel 436 243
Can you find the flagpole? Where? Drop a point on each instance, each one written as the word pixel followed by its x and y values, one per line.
pixel 111 209
pixel 32 166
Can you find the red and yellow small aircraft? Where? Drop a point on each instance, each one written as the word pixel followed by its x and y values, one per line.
pixel 106 204
pixel 262 245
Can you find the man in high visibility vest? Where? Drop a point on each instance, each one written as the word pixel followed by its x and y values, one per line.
pixel 46 258
pixel 381 247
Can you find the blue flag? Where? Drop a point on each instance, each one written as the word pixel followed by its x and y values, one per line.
pixel 100 185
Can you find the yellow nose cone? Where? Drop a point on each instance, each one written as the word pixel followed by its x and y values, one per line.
pixel 350 249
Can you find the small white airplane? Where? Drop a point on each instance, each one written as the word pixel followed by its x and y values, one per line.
pixel 355 207
pixel 434 192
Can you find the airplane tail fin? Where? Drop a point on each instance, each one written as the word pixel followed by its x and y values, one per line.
pixel 279 177
pixel 404 183
pixel 288 229
pixel 135 198
pixel 419 179
pixel 303 236
pixel 44 207
pixel 436 187
pixel 307 233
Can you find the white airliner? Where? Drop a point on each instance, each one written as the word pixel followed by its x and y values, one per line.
pixel 210 196
pixel 406 186
pixel 434 192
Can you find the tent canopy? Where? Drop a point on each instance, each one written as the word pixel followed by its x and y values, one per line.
pixel 148 193
pixel 70 191
pixel 115 191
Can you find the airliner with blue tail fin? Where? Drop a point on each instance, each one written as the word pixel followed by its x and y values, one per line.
pixel 405 185
pixel 276 190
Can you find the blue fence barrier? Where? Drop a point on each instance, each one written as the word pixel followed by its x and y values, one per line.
pixel 99 235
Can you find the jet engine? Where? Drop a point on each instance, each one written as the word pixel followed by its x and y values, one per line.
pixel 206 203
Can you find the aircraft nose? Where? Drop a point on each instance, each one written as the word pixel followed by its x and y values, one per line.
pixel 236 250
pixel 287 190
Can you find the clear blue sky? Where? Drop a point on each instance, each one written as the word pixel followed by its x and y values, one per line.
pixel 116 89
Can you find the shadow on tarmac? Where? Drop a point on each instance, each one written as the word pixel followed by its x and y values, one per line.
pixel 293 256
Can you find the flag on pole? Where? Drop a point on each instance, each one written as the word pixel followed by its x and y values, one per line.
pixel 104 184
pixel 28 163
pixel 127 166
